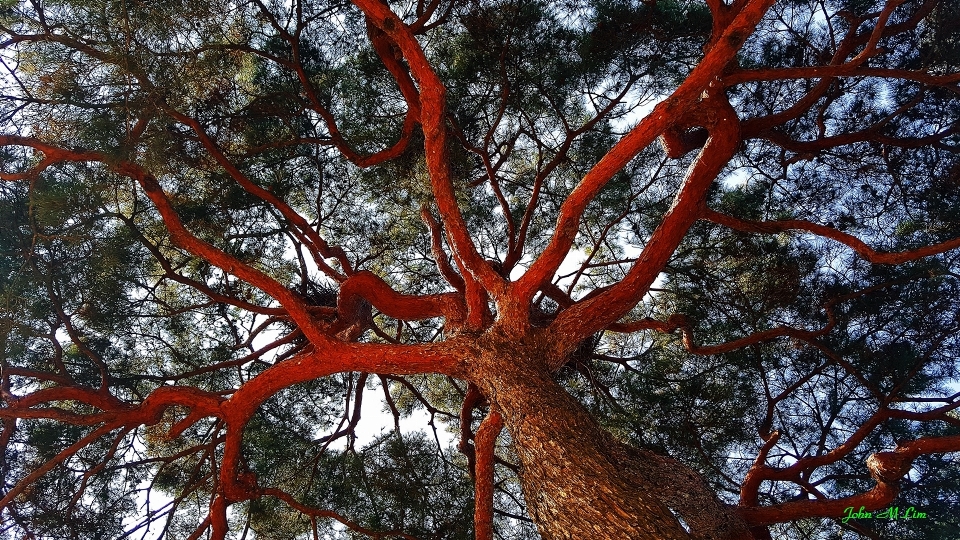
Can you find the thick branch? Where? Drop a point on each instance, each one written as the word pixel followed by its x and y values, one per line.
pixel 662 117
pixel 117 414
pixel 368 286
pixel 594 314
pixel 471 400
pixel 433 120
pixel 383 47
pixel 887 468
pixel 486 445
pixel 755 126
pixel 183 238
pixel 319 249
pixel 371 358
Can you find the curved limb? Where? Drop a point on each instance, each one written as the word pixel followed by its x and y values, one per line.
pixel 887 468
pixel 436 249
pixel 854 243
pixel 183 238
pixel 433 120
pixel 593 314
pixel 372 358
pixel 659 120
pixel 368 286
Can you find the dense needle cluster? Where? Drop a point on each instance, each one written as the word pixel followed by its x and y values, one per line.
pixel 654 269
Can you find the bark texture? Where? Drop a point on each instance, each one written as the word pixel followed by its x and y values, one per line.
pixel 579 482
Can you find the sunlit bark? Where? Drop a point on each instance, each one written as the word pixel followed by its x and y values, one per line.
pixel 579 481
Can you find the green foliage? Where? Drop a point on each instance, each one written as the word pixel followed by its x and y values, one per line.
pixel 94 292
pixel 399 482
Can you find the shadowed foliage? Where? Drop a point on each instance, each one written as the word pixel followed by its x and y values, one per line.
pixel 607 269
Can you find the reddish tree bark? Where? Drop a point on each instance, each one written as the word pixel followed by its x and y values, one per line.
pixel 577 479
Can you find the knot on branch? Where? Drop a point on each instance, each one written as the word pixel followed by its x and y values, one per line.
pixel 363 291
pixel 353 320
pixel 248 479
pixel 691 131
pixel 678 320
pixel 888 467
pixel 579 359
pixel 678 141
pixel 694 127
pixel 242 488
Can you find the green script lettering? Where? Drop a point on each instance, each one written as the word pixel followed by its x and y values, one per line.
pixel 850 514
pixel 890 513
pixel 913 513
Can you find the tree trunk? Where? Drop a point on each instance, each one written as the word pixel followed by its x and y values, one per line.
pixel 578 481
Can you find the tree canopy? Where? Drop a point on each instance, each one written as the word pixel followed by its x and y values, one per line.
pixel 657 268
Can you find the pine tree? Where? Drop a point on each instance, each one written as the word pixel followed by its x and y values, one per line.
pixel 660 269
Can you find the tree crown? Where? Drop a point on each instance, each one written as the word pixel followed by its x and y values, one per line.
pixel 722 234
